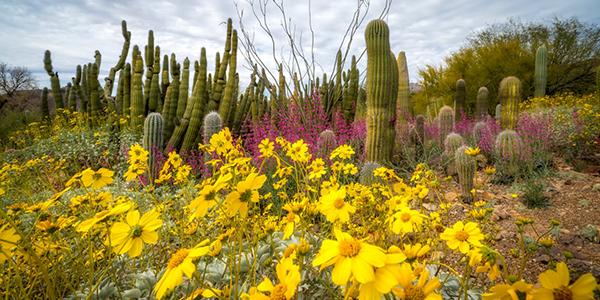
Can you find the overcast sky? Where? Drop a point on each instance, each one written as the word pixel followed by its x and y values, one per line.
pixel 427 30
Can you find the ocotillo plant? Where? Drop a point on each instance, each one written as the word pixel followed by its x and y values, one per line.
pixel 481 105
pixel 153 140
pixel 365 176
pixel 212 124
pixel 445 122
pixel 327 142
pixel 54 81
pixel 541 71
pixel 45 108
pixel 510 97
pixel 460 99
pixel 466 168
pixel 508 151
pixel 382 89
pixel 452 142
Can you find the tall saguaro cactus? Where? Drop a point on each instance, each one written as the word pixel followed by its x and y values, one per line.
pixel 382 89
pixel 460 99
pixel 541 71
pixel 54 80
pixel 510 97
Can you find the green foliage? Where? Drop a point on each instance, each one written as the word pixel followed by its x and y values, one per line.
pixel 382 89
pixel 533 194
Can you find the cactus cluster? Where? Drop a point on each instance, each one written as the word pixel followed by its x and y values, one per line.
pixel 466 166
pixel 382 89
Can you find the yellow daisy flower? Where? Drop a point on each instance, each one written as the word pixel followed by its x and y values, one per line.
pixel 288 275
pixel 266 148
pixel 424 288
pixel 462 236
pixel 130 236
pixel 334 207
pixel 97 179
pixel 207 197
pixel 516 291
pixel 8 242
pixel 246 192
pixel 405 220
pixel 555 285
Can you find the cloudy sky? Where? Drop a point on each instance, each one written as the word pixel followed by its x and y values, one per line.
pixel 427 30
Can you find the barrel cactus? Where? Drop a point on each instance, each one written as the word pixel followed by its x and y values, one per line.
pixel 510 97
pixel 481 105
pixel 382 88
pixel 153 141
pixel 445 122
pixel 465 167
pixel 478 130
pixel 365 176
pixel 509 147
pixel 327 142
pixel 460 99
pixel 212 124
pixel 541 71
pixel 452 142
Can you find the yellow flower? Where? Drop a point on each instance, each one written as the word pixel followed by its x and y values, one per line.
pixel 207 197
pixel 288 275
pixel 8 242
pixel 351 257
pixel 415 251
pixel 423 289
pixel 472 151
pixel 334 207
pixel 298 152
pixel 181 263
pixel 462 236
pixel 97 179
pixel 317 169
pixel 342 152
pixel 266 148
pixel 246 192
pixel 516 291
pixel 86 225
pixel 130 236
pixel 489 170
pixel 288 224
pixel 405 220
pixel 555 285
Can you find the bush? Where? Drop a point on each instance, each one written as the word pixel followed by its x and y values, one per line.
pixel 534 196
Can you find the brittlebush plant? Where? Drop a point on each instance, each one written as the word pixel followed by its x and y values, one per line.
pixel 284 225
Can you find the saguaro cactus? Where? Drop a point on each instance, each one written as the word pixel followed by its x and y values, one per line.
pixel 212 124
pixel 403 106
pixel 465 167
pixel 510 96
pixel 481 105
pixel 126 90
pixel 171 98
pixel 508 150
pixel 541 71
pixel 382 89
pixel 460 99
pixel 183 89
pixel 153 141
pixel 445 122
pixel 54 81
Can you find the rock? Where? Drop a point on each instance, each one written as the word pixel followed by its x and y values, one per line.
pixel 580 266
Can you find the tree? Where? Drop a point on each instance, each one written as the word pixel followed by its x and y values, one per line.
pixel 12 80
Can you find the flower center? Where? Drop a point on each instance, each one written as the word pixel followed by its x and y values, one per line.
pixel 405 217
pixel 245 196
pixel 290 217
pixel 413 293
pixel 136 231
pixel 278 292
pixel 339 203
pixel 349 248
pixel 461 235
pixel 562 293
pixel 178 258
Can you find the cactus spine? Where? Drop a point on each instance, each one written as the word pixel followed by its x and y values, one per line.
pixel 481 105
pixel 137 97
pixel 445 122
pixel 466 168
pixel 541 71
pixel 45 108
pixel 460 99
pixel 197 102
pixel 54 81
pixel 153 140
pixel 510 96
pixel 381 92
pixel 508 151
pixel 212 124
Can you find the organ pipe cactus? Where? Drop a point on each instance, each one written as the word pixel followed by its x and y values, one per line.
pixel 137 97
pixel 164 78
pixel 382 89
pixel 72 95
pixel 460 99
pixel 541 71
pixel 95 105
pixel 149 59
pixel 108 86
pixel 481 105
pixel 54 81
pixel 219 80
pixel 351 92
pixel 197 102
pixel 171 99
pixel 81 82
pixel 154 97
pixel 183 89
pixel 152 141
pixel 509 147
pixel 510 97
pixel 466 166
pixel 228 99
pixel 126 90
pixel 45 109
pixel 452 142
pixel 445 122
pixel 212 124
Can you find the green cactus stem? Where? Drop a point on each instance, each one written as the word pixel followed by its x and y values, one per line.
pixel 152 141
pixel 541 71
pixel 460 99
pixel 509 147
pixel 481 105
pixel 54 81
pixel 452 142
pixel 510 97
pixel 137 97
pixel 197 102
pixel 45 109
pixel 466 166
pixel 445 122
pixel 212 124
